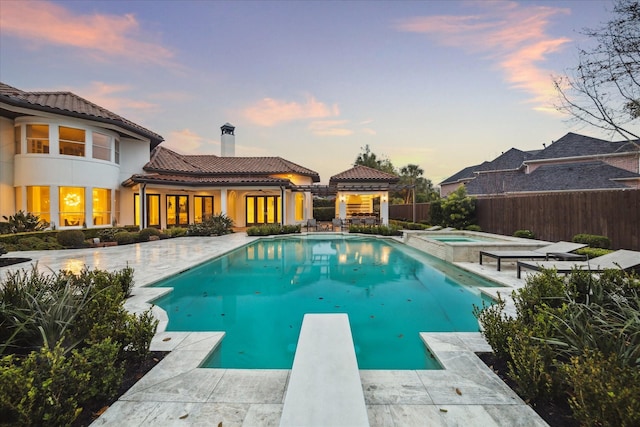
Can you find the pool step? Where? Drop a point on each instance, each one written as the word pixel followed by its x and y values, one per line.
pixel 324 386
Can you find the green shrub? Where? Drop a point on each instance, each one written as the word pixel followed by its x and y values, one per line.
pixel 148 232
pixel 577 336
pixel 273 229
pixel 2 250
pixel 140 331
pixel 126 237
pixel 176 231
pixel 5 227
pixel 37 244
pixel 497 327
pixel 215 225
pixel 436 214
pixel 602 392
pixel 23 222
pixel 108 234
pixel 593 252
pixel 458 209
pixel 71 238
pixel 524 234
pixel 594 241
pixel 473 227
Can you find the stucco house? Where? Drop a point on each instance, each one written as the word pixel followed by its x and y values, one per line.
pixel 572 163
pixel 77 164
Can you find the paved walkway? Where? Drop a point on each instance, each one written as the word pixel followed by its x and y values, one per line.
pixel 178 392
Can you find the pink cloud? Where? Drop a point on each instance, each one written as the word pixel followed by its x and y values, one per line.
pixel 186 141
pixel 330 128
pixel 512 34
pixel 45 23
pixel 270 112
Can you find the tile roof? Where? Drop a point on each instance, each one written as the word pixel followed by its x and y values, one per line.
pixel 168 161
pixel 360 173
pixel 205 180
pixel 594 175
pixel 574 145
pixel 70 104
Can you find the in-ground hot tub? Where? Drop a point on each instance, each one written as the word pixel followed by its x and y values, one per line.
pixel 464 246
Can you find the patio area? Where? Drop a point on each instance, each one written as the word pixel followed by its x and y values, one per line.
pixel 178 392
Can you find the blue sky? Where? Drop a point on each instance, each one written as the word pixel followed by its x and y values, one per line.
pixel 440 84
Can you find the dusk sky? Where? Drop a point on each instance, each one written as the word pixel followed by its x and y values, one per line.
pixel 440 84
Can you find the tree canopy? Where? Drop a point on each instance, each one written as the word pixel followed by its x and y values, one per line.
pixel 603 90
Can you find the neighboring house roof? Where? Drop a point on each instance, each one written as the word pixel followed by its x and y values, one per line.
pixel 72 105
pixel 167 166
pixel 361 173
pixel 509 160
pixel 595 175
pixel 574 145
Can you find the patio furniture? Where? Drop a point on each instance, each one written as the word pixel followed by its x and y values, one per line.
pixel 541 253
pixel 620 259
pixel 370 221
pixel 312 223
pixel 340 223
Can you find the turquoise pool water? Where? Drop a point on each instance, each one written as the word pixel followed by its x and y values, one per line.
pixel 258 295
pixel 456 239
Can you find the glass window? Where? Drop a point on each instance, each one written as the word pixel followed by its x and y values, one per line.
pixel 38 139
pixel 299 207
pixel 177 210
pixel 38 199
pixel 117 152
pixel 116 214
pixel 18 139
pixel 101 206
pixel 71 206
pixel 101 146
pixel 153 209
pixel 203 208
pixel 72 141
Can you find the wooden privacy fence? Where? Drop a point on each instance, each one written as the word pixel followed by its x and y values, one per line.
pixel 405 212
pixel 558 216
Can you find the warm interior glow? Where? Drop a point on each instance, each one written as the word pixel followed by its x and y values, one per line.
pixel 71 206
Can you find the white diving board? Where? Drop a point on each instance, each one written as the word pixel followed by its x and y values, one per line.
pixel 324 385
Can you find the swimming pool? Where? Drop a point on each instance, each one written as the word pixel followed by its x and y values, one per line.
pixel 258 295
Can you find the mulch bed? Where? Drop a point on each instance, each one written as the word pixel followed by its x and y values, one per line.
pixel 132 374
pixel 556 413
pixel 5 262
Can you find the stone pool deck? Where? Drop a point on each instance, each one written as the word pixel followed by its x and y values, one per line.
pixel 178 392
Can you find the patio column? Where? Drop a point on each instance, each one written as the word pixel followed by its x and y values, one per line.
pixel 384 208
pixel 308 205
pixel 223 201
pixel 342 206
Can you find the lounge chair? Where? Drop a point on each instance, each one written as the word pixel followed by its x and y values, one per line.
pixel 621 259
pixel 554 250
pixel 338 222
pixel 312 223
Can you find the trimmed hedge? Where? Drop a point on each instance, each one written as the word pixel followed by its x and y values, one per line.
pixel 273 229
pixel 71 238
pixel 524 234
pixel 593 240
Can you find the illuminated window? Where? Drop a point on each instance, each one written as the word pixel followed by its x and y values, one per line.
pixel 101 146
pixel 203 208
pixel 116 213
pixel 177 210
pixel 101 206
pixel 38 139
pixel 71 201
pixel 38 200
pixel 18 139
pixel 299 206
pixel 153 209
pixel 71 141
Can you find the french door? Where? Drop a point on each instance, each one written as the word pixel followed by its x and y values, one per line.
pixel 263 210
